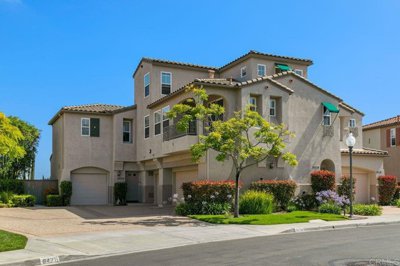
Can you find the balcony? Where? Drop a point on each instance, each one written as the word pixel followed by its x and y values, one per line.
pixel 172 132
pixel 176 141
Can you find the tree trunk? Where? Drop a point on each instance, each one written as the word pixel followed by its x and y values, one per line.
pixel 236 211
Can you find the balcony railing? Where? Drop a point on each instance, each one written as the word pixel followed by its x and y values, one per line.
pixel 172 132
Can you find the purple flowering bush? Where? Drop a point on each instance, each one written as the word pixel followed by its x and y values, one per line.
pixel 331 197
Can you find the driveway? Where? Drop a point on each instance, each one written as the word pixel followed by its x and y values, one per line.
pixel 43 221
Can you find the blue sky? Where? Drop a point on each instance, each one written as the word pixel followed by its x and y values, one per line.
pixel 57 53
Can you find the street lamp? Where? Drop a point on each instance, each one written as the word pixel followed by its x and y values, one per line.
pixel 350 142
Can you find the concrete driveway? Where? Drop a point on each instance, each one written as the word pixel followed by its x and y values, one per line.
pixel 43 221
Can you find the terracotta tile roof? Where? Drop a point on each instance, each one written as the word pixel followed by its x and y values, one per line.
pixel 365 151
pixel 350 108
pixel 266 78
pixel 307 81
pixel 226 82
pixel 98 108
pixel 252 52
pixel 383 123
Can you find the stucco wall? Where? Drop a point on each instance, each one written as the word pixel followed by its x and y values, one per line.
pixel 372 139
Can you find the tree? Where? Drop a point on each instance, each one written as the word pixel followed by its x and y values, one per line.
pixel 23 166
pixel 246 138
pixel 10 138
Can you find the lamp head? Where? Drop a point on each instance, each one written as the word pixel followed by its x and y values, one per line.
pixel 350 140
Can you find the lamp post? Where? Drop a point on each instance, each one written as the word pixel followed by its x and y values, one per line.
pixel 350 142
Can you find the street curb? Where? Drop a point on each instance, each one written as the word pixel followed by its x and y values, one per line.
pixel 76 258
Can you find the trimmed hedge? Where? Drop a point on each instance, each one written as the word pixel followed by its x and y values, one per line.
pixel 120 190
pixel 205 191
pixel 330 208
pixel 344 188
pixel 23 200
pixel 367 209
pixel 15 186
pixel 54 200
pixel 322 180
pixel 282 190
pixel 66 192
pixel 185 209
pixel 256 202
pixel 387 189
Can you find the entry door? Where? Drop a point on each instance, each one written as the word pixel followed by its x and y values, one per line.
pixel 132 180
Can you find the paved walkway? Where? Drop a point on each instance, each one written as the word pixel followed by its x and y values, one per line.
pixel 145 237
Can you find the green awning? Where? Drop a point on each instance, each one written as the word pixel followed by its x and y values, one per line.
pixel 283 67
pixel 331 107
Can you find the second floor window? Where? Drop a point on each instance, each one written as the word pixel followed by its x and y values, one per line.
pixel 165 119
pixel 326 117
pixel 85 127
pixel 146 126
pixel 127 131
pixel 90 127
pixel 166 83
pixel 243 72
pixel 253 103
pixel 146 82
pixel 392 137
pixel 352 123
pixel 157 123
pixel 272 107
pixel 261 70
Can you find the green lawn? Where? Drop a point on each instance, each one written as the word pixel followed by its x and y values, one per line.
pixel 10 241
pixel 268 219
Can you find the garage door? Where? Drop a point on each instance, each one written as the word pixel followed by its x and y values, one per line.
pixel 89 189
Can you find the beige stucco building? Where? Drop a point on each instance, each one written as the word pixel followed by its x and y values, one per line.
pixel 98 145
pixel 385 135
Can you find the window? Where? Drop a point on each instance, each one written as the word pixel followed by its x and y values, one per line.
pixel 272 107
pixel 392 137
pixel 146 85
pixel 243 72
pixel 157 122
pixel 326 117
pixel 298 72
pixel 261 70
pixel 352 123
pixel 166 81
pixel 146 126
pixel 253 103
pixel 165 118
pixel 127 131
pixel 85 127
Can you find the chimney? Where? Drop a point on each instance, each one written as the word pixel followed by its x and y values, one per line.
pixel 211 74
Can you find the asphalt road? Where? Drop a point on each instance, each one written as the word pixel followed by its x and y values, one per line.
pixel 377 245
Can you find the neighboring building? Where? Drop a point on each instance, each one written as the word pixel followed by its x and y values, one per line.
pixel 155 159
pixel 385 135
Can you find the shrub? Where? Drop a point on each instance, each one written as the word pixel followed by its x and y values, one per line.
pixel 305 202
pixel 54 201
pixel 291 208
pixel 398 203
pixel 322 180
pixel 367 210
pixel 282 190
pixel 344 188
pixel 256 202
pixel 213 208
pixel 6 197
pixel 329 196
pixel 49 191
pixel 120 190
pixel 329 208
pixel 66 192
pixel 15 186
pixel 205 191
pixel 23 200
pixel 387 189
pixel 396 195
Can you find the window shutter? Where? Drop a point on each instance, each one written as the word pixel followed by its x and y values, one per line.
pixel 398 136
pixel 388 137
pixel 94 127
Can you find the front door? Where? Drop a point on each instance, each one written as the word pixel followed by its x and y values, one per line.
pixel 132 180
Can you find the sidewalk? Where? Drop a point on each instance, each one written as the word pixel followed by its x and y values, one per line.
pixel 87 245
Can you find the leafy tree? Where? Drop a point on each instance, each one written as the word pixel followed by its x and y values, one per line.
pixel 246 138
pixel 22 167
pixel 10 138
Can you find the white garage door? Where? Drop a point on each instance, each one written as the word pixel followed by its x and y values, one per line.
pixel 89 189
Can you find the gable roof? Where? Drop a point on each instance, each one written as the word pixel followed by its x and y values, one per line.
pixel 272 56
pixel 383 123
pixel 98 108
pixel 350 108
pixel 251 53
pixel 365 151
